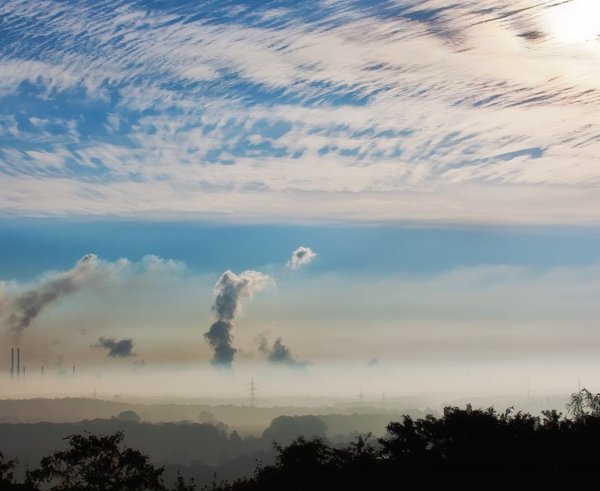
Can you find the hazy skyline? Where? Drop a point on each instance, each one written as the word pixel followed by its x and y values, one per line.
pixel 396 194
pixel 456 325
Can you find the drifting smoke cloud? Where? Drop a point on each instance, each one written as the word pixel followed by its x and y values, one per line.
pixel 279 353
pixel 301 257
pixel 116 349
pixel 25 307
pixel 230 289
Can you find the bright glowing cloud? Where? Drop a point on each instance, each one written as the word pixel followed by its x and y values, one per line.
pixel 576 21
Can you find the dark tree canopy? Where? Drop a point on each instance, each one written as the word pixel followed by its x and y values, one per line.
pixel 467 449
pixel 98 463
pixel 6 470
pixel 130 416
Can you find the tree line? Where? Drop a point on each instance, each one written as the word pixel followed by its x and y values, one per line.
pixel 461 449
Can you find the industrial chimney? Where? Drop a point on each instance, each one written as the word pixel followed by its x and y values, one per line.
pixel 12 362
pixel 18 362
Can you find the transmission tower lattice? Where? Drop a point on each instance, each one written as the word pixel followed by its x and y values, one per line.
pixel 252 389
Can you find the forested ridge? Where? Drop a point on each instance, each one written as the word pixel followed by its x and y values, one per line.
pixel 464 448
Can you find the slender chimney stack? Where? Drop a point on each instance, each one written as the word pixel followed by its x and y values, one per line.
pixel 42 371
pixel 12 362
pixel 73 369
pixel 18 362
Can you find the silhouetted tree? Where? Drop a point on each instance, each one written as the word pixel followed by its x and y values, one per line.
pixel 464 449
pixel 7 468
pixel 98 463
pixel 7 477
pixel 584 403
pixel 284 429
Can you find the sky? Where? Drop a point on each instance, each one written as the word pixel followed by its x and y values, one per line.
pixel 367 189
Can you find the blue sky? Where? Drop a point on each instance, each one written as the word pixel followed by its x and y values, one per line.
pixel 32 246
pixel 440 158
pixel 387 112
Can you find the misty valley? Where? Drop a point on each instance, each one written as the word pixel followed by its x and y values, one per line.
pixel 357 448
pixel 197 441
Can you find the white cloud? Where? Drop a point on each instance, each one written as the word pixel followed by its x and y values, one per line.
pixel 462 119
pixel 301 257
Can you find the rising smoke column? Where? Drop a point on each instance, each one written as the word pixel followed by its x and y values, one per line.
pixel 229 290
pixel 25 307
pixel 301 257
pixel 278 353
pixel 116 349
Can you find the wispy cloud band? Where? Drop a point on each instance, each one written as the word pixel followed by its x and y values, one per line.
pixel 473 112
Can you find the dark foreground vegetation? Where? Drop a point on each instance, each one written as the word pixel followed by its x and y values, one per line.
pixel 462 449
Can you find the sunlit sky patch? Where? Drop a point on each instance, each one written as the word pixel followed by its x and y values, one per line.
pixel 575 21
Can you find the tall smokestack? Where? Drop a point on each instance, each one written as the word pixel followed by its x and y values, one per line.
pixel 42 371
pixel 12 362
pixel 18 362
